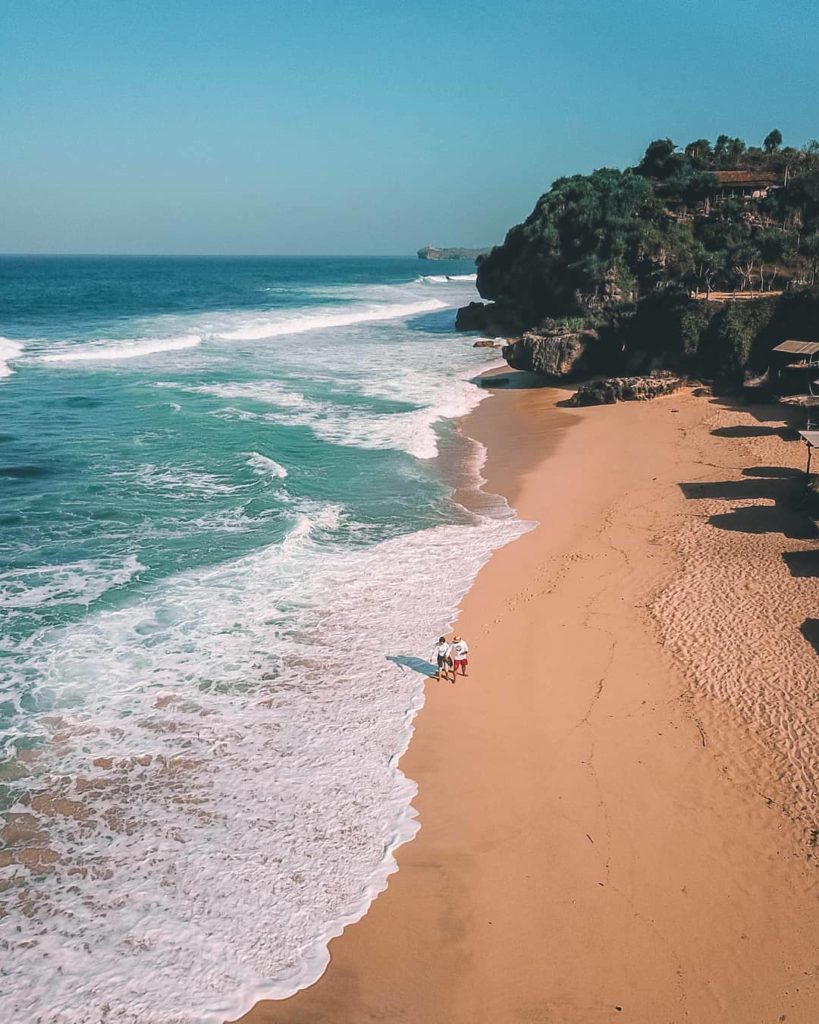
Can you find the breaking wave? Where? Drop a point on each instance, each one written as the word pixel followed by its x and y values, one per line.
pixel 447 278
pixel 9 350
pixel 112 351
pixel 298 323
pixel 412 432
pixel 263 466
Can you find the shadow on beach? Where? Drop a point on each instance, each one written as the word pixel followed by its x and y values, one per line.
pixel 779 487
pixel 802 564
pixel 810 631
pixel 751 431
pixel 775 472
pixel 790 420
pixel 509 380
pixel 764 519
pixel 424 668
pixel 762 412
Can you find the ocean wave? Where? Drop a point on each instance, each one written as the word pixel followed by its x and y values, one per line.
pixel 312 517
pixel 113 351
pixel 264 466
pixel 266 392
pixel 446 278
pixel 358 427
pixel 75 583
pixel 9 350
pixel 260 328
pixel 339 306
pixel 183 482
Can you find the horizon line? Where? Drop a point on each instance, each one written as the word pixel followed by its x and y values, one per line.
pixel 219 255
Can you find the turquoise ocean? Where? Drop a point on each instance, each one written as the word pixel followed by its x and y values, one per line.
pixel 236 510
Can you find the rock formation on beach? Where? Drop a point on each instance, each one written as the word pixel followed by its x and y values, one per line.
pixel 560 355
pixel 697 260
pixel 624 389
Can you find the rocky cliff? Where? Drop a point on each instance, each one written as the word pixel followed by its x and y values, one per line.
pixel 624 264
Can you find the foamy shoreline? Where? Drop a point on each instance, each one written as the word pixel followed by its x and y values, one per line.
pixel 235 706
pixel 569 804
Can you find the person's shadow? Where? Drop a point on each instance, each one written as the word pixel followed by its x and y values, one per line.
pixel 424 668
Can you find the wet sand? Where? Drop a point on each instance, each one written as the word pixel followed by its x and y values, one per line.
pixel 617 804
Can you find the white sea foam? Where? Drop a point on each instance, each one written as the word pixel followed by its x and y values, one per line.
pixel 267 392
pixel 183 482
pixel 447 278
pixel 79 582
pixel 225 520
pixel 264 466
pixel 412 431
pixel 9 351
pixel 317 319
pixel 233 740
pixel 112 351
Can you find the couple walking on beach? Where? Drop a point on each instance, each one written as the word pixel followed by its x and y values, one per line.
pixel 449 657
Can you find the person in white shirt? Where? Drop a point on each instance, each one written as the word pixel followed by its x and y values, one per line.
pixel 442 658
pixel 460 650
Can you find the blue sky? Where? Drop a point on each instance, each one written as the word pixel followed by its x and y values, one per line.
pixel 362 126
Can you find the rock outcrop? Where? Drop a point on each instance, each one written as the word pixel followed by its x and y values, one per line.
pixel 487 317
pixel 624 389
pixel 431 252
pixel 557 356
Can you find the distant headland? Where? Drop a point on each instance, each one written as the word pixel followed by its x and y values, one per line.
pixel 431 252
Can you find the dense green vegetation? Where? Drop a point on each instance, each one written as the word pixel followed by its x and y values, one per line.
pixel 626 250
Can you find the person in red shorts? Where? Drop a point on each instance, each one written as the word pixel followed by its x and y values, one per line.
pixel 460 651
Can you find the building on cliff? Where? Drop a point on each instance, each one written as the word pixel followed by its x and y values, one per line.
pixel 743 185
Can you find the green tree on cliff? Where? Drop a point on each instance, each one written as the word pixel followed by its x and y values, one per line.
pixel 585 247
pixel 773 140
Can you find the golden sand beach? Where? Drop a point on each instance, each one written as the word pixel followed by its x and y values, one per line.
pixel 617 805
